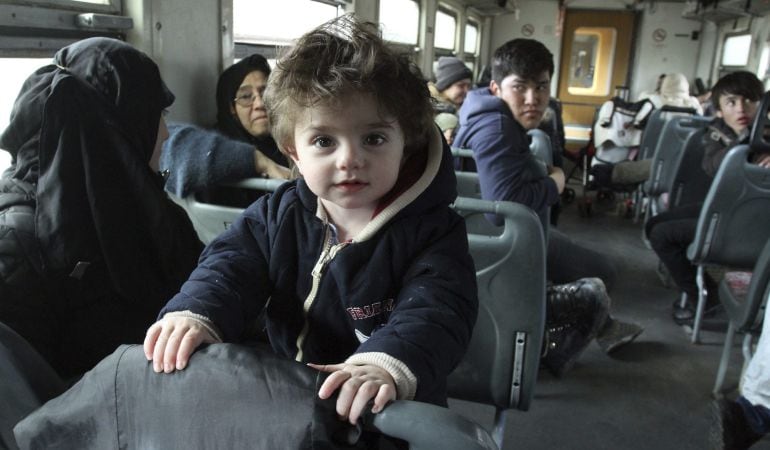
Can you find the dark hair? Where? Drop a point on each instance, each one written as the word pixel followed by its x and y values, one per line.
pixel 742 83
pixel 526 58
pixel 341 57
pixel 227 85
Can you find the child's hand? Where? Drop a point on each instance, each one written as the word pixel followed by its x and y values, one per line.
pixel 171 340
pixel 357 384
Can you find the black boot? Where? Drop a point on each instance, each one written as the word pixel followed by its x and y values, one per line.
pixel 575 312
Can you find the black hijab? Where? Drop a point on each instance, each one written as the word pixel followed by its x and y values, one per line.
pixel 227 122
pixel 82 132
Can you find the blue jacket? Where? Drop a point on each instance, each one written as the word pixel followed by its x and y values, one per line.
pixel 402 295
pixel 501 150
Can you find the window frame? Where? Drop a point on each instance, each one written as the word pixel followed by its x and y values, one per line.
pixel 410 47
pixel 442 51
pixel 724 44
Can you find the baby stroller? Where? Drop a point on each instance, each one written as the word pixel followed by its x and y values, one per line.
pixel 615 138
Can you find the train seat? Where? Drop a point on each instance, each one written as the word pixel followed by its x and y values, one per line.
pixel 666 159
pixel 734 222
pixel 689 183
pixel 744 305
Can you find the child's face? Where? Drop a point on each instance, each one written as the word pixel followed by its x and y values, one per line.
pixel 350 155
pixel 737 111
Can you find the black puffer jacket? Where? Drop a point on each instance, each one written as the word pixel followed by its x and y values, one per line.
pixel 90 245
pixel 402 295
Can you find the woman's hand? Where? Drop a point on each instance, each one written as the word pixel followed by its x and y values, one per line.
pixel 269 168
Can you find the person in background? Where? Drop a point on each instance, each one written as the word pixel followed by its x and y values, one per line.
pixel 365 265
pixel 494 122
pixel 670 233
pixel 198 160
pixel 674 91
pixel 90 244
pixel 453 80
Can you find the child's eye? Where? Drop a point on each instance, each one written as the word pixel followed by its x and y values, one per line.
pixel 323 142
pixel 374 139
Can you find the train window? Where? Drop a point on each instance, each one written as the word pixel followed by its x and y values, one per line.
pixel 271 23
pixel 445 29
pixel 15 71
pixel 471 38
pixel 590 71
pixel 736 49
pixel 400 20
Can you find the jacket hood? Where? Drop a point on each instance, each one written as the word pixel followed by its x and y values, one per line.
pixel 480 102
pixel 122 79
pixel 427 180
pixel 82 133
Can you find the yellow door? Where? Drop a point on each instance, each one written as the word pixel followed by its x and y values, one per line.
pixel 595 59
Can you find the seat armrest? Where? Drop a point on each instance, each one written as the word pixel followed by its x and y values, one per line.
pixel 428 427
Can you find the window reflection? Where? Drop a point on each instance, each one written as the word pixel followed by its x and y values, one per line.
pixel 590 70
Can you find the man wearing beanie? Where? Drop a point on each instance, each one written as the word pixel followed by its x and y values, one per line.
pixel 453 81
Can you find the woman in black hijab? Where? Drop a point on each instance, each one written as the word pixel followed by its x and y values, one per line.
pixel 90 245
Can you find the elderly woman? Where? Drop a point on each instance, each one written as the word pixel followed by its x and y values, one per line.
pixel 198 160
pixel 90 245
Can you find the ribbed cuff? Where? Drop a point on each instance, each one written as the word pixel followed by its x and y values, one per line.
pixel 406 382
pixel 202 320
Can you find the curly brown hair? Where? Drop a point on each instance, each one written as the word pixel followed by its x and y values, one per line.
pixel 346 56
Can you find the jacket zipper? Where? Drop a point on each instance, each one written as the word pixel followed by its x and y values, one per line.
pixel 328 252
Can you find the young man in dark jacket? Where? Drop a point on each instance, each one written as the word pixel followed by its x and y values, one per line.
pixel 736 97
pixel 494 122
pixel 362 266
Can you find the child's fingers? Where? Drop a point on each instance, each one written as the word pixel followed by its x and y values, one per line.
pixel 189 343
pixel 326 367
pixel 172 348
pixel 160 349
pixel 365 392
pixel 149 340
pixel 332 383
pixel 385 394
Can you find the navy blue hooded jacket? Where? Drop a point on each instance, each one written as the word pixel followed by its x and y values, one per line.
pixel 501 149
pixel 402 295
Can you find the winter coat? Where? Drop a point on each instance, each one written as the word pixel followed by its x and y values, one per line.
pixel 401 295
pixel 90 245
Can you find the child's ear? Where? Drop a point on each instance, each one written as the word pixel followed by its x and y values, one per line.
pixel 719 114
pixel 292 152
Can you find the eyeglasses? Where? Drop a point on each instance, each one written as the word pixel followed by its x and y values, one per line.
pixel 246 99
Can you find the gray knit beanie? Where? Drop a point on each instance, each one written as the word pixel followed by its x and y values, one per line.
pixel 449 71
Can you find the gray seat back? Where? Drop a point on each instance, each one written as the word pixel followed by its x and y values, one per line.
pixel 689 183
pixel 500 367
pixel 211 220
pixel 668 149
pixel 654 127
pixel 734 222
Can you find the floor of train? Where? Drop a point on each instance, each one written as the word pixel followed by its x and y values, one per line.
pixel 653 393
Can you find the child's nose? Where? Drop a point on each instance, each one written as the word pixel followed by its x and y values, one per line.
pixel 350 157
